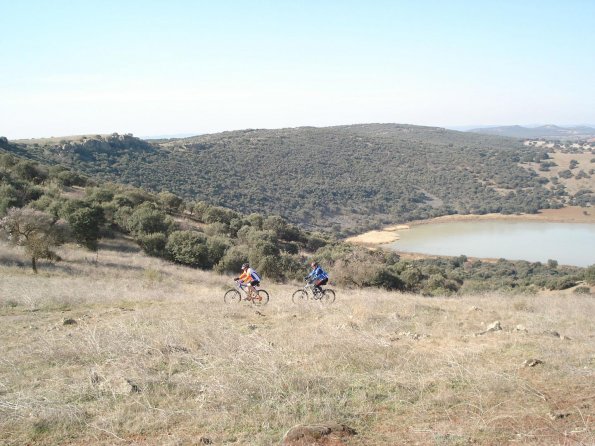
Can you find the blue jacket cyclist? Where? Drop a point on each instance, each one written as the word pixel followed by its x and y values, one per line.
pixel 317 276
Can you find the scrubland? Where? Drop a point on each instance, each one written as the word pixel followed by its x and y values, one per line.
pixel 126 349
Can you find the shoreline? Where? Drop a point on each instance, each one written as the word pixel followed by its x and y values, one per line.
pixel 390 234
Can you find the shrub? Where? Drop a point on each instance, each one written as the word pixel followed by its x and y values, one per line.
pixel 153 244
pixel 85 224
pixel 589 275
pixel 561 283
pixel 188 248
pixel 232 260
pixel 582 290
pixel 217 247
pixel 145 219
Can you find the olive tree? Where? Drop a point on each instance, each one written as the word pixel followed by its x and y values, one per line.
pixel 37 232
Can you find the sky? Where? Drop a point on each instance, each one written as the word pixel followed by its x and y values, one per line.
pixel 191 67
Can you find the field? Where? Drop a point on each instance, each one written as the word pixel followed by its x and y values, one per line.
pixel 125 349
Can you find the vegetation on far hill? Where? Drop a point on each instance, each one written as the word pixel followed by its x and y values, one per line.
pixel 204 236
pixel 346 178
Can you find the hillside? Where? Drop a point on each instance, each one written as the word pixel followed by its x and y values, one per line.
pixel 544 131
pixel 345 178
pixel 128 349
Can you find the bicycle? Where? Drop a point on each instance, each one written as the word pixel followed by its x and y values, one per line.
pixel 241 291
pixel 311 292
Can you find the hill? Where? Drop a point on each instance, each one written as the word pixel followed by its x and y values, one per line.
pixel 544 131
pixel 128 349
pixel 345 178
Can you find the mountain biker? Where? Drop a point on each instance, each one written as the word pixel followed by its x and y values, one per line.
pixel 318 276
pixel 249 277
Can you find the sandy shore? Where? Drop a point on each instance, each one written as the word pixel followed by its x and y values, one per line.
pixel 571 214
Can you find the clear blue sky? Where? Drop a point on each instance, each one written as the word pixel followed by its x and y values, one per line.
pixel 171 67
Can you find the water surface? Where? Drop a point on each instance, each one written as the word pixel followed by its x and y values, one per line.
pixel 568 243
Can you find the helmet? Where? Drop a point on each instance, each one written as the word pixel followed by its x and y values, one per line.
pixel 245 265
pixel 314 264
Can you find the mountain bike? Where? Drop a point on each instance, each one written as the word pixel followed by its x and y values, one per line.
pixel 311 292
pixel 241 291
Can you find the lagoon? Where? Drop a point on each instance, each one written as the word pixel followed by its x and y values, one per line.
pixel 567 243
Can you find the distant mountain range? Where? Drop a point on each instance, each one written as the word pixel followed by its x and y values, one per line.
pixel 544 131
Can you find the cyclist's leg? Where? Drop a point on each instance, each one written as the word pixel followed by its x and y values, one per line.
pixel 318 284
pixel 252 287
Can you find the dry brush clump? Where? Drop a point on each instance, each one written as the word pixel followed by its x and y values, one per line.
pixel 126 349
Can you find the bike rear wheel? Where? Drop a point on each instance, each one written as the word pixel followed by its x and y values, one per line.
pixel 232 296
pixel 262 298
pixel 299 296
pixel 328 296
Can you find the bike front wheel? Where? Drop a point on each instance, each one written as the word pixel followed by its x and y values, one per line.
pixel 232 296
pixel 262 298
pixel 328 296
pixel 299 296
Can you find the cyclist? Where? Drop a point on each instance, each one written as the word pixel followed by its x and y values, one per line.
pixel 249 277
pixel 317 276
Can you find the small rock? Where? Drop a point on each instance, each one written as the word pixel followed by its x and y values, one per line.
pixel 553 333
pixel 133 387
pixel 95 378
pixel 495 326
pixel 558 415
pixel 414 336
pixel 521 328
pixel 532 362
pixel 310 434
pixel 69 322
pixel 474 308
pixel 259 313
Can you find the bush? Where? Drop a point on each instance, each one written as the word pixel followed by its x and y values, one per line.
pixel 561 283
pixel 589 275
pixel 217 247
pixel 153 244
pixel 582 290
pixel 85 224
pixel 232 260
pixel 188 248
pixel 388 279
pixel 145 219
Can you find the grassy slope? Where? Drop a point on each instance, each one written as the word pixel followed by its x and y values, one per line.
pixel 205 369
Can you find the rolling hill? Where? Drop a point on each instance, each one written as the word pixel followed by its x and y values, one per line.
pixel 345 177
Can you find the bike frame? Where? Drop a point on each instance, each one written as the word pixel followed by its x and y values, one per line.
pixel 242 287
pixel 310 289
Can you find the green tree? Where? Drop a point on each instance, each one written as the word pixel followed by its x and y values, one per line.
pixel 170 202
pixel 37 232
pixel 145 219
pixel 188 248
pixel 85 224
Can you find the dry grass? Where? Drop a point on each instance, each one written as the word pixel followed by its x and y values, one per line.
pixel 562 161
pixel 157 358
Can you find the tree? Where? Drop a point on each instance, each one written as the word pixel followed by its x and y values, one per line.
pixel 170 202
pixel 36 231
pixel 85 224
pixel 188 248
pixel 145 219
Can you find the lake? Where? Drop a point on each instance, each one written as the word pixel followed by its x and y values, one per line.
pixel 568 243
